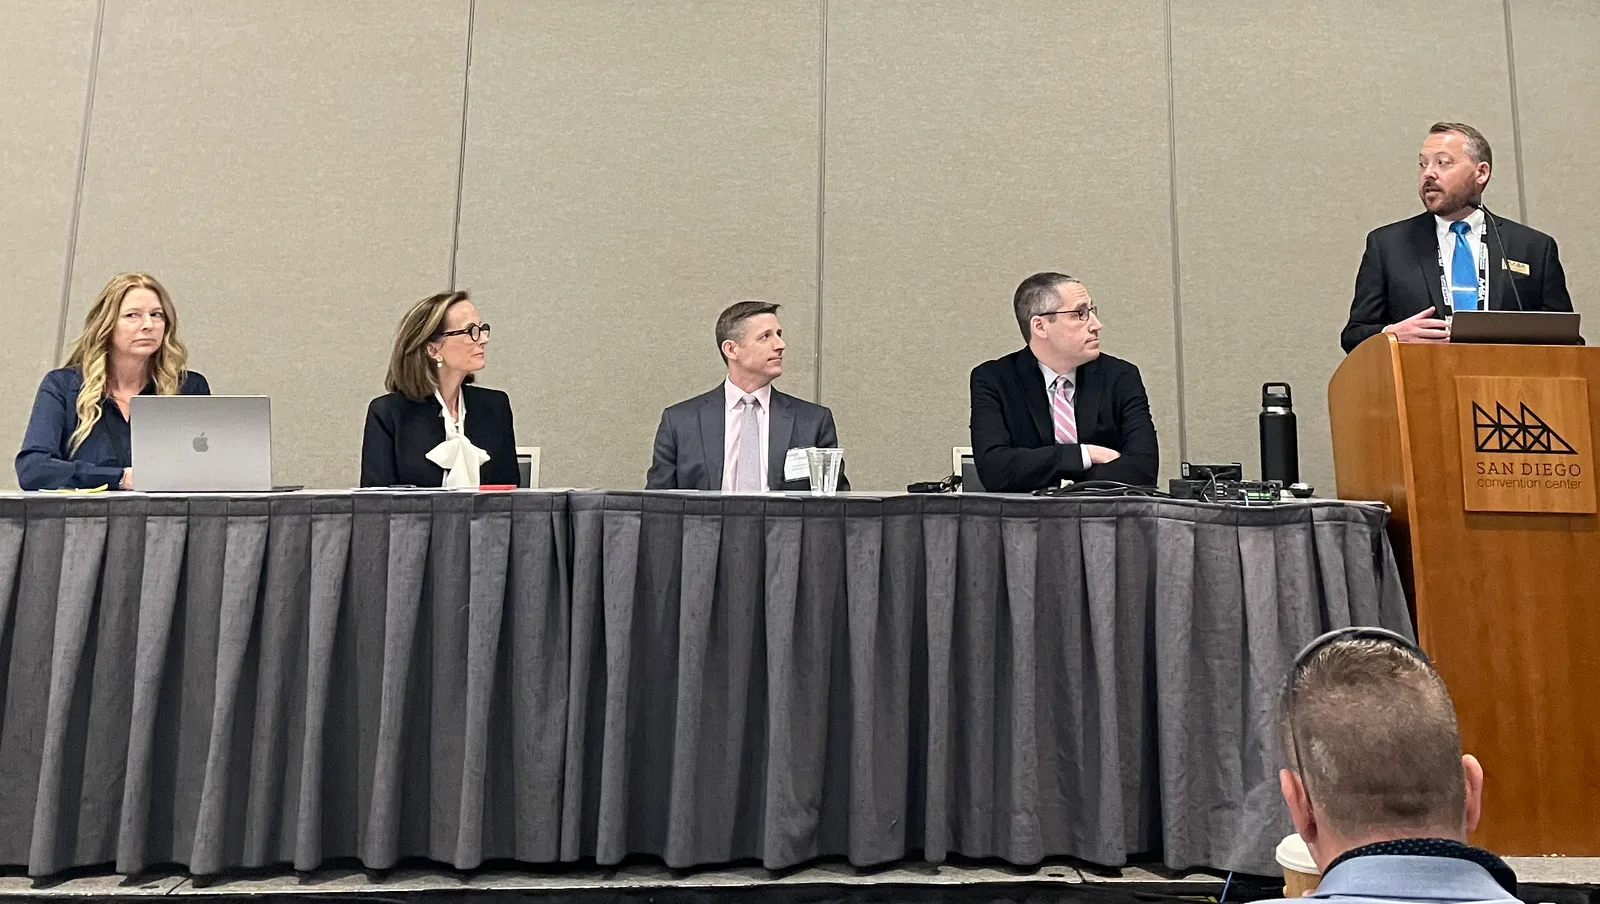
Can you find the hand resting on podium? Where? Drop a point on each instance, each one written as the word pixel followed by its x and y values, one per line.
pixel 1420 327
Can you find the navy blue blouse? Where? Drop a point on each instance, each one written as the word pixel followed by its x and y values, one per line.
pixel 43 463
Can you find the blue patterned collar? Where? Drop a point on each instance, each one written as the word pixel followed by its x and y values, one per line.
pixel 1435 847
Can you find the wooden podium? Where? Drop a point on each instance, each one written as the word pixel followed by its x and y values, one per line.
pixel 1485 454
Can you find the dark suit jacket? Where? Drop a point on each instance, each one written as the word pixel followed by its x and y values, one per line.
pixel 44 464
pixel 1399 274
pixel 401 431
pixel 1013 440
pixel 688 452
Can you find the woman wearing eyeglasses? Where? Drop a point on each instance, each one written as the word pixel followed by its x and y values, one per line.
pixel 434 428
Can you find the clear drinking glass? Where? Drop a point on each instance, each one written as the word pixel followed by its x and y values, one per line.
pixel 825 465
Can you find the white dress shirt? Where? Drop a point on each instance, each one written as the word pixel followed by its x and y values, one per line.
pixel 1447 245
pixel 1072 399
pixel 731 415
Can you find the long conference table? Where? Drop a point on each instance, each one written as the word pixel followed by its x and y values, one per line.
pixel 225 681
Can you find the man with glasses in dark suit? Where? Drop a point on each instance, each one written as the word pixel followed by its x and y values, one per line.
pixel 1058 409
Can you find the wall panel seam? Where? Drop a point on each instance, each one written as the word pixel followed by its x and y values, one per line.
pixel 1516 115
pixel 822 191
pixel 461 153
pixel 1172 213
pixel 78 180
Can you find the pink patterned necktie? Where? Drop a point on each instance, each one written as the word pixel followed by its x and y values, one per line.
pixel 1061 412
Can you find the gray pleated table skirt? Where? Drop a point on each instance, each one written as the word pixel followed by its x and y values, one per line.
pixel 237 681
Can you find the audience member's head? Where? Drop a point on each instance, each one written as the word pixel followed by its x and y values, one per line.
pixel 1372 745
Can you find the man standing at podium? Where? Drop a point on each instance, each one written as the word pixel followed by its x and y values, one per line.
pixel 1449 258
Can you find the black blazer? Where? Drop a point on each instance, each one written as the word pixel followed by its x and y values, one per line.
pixel 401 431
pixel 1399 274
pixel 689 441
pixel 1013 441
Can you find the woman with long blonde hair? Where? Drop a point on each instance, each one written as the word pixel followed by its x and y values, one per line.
pixel 78 434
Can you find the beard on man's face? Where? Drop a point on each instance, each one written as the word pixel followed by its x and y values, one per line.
pixel 1440 200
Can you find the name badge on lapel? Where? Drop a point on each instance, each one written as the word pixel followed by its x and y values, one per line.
pixel 1515 266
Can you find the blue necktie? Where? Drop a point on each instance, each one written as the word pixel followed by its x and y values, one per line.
pixel 1463 271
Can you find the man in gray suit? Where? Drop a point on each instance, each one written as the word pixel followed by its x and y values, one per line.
pixel 1377 785
pixel 737 437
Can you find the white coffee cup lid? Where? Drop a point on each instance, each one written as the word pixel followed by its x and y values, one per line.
pixel 1292 853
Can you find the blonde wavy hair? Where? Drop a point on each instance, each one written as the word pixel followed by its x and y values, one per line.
pixel 167 367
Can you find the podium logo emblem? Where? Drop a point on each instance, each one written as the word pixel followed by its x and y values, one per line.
pixel 1521 431
pixel 1525 444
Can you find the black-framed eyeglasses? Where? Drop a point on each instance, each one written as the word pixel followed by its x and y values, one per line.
pixel 472 331
pixel 1080 313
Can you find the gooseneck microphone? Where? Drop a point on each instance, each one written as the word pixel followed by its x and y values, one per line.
pixel 1488 217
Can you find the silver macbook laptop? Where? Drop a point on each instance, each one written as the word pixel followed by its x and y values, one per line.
pixel 201 444
pixel 1516 327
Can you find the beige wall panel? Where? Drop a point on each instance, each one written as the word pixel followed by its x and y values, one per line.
pixel 289 171
pixel 1558 86
pixel 631 169
pixel 45 56
pixel 969 145
pixel 1297 130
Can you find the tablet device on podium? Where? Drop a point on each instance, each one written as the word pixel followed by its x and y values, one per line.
pixel 201 443
pixel 1516 327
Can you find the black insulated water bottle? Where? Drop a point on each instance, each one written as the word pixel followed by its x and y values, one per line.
pixel 1280 440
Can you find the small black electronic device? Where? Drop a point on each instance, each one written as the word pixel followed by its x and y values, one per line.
pixel 1229 492
pixel 1192 471
pixel 1249 492
pixel 948 485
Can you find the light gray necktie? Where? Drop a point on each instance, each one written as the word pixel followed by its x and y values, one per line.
pixel 747 476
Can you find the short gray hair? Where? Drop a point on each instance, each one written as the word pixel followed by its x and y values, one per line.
pixel 1038 294
pixel 1477 145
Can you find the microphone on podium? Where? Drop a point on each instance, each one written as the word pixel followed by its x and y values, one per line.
pixel 1488 217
